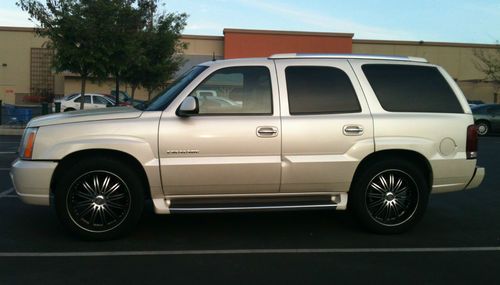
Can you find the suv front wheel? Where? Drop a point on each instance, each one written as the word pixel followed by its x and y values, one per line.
pixel 99 199
pixel 389 197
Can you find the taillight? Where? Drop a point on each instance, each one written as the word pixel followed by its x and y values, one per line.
pixel 471 146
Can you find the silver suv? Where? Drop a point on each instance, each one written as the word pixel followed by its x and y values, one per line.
pixel 376 134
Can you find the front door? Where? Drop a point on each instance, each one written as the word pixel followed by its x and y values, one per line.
pixel 233 145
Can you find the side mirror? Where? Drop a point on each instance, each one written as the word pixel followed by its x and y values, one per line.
pixel 189 107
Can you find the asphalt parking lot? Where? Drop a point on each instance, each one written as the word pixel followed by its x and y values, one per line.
pixel 458 241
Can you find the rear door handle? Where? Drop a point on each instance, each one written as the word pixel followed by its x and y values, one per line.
pixel 353 130
pixel 267 132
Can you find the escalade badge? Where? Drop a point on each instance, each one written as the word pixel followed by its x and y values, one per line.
pixel 183 151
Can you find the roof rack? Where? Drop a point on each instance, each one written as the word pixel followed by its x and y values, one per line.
pixel 346 56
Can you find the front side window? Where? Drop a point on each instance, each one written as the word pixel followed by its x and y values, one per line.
pixel 320 90
pixel 235 90
pixel 160 102
pixel 411 88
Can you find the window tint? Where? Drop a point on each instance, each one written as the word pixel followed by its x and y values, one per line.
pixel 236 90
pixel 320 90
pixel 87 99
pixel 410 88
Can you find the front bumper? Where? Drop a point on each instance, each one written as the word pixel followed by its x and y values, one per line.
pixel 31 180
pixel 477 178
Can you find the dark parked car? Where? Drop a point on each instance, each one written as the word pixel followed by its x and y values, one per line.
pixel 475 102
pixel 125 99
pixel 486 118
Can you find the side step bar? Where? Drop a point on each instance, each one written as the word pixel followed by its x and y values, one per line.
pixel 235 208
pixel 283 202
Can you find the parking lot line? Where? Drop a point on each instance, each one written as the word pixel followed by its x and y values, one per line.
pixel 252 251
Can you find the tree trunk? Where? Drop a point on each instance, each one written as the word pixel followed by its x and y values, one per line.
pixel 117 90
pixel 133 93
pixel 82 93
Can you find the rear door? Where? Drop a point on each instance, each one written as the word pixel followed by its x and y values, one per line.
pixel 87 103
pixel 326 124
pixel 99 102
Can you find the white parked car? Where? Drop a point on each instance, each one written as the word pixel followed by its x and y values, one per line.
pixel 377 134
pixel 92 101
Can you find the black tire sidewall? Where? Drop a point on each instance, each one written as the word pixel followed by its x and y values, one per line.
pixel 114 166
pixel 357 200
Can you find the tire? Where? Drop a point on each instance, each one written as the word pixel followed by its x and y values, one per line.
pixel 99 199
pixel 483 128
pixel 382 204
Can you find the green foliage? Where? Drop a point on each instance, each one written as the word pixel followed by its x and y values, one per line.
pixel 158 50
pixel 73 29
pixel 127 39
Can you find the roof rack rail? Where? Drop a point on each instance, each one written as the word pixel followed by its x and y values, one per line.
pixel 346 56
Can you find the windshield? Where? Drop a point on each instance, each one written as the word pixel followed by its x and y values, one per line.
pixel 164 98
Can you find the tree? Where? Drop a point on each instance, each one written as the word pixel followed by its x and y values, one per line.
pixel 123 25
pixel 70 25
pixel 488 62
pixel 158 52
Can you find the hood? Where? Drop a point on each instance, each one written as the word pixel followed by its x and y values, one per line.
pixel 85 116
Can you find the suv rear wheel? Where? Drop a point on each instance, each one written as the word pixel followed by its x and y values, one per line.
pixel 390 196
pixel 99 199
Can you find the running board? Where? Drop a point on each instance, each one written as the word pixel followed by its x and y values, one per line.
pixel 242 203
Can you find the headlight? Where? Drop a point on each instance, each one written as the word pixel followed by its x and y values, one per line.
pixel 27 143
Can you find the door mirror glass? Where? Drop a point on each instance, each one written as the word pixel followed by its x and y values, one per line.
pixel 188 107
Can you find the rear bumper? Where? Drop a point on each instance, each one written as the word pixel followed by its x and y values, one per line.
pixel 477 178
pixel 31 180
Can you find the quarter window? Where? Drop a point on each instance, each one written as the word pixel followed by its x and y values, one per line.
pixel 320 90
pixel 236 90
pixel 411 88
pixel 87 99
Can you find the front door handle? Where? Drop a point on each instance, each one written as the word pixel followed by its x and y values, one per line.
pixel 267 132
pixel 353 130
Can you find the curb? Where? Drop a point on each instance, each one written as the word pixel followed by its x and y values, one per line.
pixel 11 131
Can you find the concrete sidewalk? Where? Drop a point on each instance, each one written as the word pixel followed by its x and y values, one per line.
pixel 11 131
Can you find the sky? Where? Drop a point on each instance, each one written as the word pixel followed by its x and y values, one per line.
pixel 474 21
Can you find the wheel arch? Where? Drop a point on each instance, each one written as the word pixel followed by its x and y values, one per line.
pixel 89 154
pixel 397 154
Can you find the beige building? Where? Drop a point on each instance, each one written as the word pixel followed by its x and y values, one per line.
pixel 25 71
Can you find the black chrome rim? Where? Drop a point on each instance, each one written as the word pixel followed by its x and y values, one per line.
pixel 98 201
pixel 392 197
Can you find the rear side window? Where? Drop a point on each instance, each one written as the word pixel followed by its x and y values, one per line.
pixel 320 90
pixel 410 88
